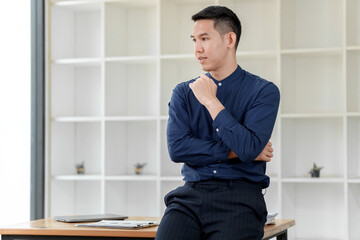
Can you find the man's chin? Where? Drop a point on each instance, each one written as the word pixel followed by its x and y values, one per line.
pixel 206 68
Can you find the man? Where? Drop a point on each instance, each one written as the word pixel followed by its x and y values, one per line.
pixel 218 125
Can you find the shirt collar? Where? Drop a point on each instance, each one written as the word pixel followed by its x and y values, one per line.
pixel 236 75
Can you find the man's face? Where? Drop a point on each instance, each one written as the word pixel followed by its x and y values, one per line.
pixel 209 46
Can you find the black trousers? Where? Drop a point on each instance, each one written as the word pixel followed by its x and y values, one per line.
pixel 214 210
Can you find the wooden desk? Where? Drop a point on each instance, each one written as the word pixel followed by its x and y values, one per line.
pixel 278 230
pixel 50 229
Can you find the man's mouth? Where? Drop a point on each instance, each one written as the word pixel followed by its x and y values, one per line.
pixel 202 59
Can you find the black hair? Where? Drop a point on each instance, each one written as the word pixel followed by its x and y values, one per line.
pixel 225 20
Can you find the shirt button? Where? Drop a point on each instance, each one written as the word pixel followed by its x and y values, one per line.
pixel 220 84
pixel 217 129
pixel 215 171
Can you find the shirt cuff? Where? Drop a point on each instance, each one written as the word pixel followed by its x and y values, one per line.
pixel 222 121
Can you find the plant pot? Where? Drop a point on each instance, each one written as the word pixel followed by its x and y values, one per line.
pixel 80 170
pixel 138 171
pixel 315 173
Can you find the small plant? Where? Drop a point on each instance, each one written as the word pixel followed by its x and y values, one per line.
pixel 315 171
pixel 80 168
pixel 139 167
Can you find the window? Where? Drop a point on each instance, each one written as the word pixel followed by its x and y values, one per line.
pixel 15 105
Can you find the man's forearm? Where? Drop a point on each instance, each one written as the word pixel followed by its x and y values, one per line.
pixel 265 155
pixel 197 152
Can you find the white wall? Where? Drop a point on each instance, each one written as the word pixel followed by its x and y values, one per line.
pixel 14 111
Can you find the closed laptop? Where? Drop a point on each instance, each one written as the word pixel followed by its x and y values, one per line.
pixel 89 218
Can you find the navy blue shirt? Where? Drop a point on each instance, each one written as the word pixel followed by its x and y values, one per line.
pixel 244 126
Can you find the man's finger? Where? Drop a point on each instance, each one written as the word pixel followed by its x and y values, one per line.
pixel 190 85
pixel 268 149
pixel 263 158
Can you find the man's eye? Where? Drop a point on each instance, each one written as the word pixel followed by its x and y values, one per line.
pixel 194 40
pixel 204 38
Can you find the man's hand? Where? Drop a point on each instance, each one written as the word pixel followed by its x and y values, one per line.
pixel 204 90
pixel 265 155
pixel 232 154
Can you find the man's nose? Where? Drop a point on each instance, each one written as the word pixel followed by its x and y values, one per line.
pixel 198 47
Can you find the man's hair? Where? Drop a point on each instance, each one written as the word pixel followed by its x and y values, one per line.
pixel 225 20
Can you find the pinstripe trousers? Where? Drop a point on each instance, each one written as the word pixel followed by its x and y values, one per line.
pixel 214 210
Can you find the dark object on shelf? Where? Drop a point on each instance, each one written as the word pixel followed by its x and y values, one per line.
pixel 80 168
pixel 139 167
pixel 315 171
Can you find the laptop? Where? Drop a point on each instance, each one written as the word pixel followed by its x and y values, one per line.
pixel 89 218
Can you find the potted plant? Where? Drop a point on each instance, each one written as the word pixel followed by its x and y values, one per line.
pixel 80 168
pixel 139 167
pixel 315 171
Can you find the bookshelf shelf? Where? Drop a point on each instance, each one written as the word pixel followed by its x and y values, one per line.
pixel 313 180
pixel 77 177
pixel 78 61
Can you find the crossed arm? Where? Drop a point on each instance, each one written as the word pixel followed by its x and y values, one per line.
pixel 249 142
pixel 265 155
pixel 204 90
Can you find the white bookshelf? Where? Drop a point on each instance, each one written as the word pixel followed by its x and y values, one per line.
pixel 111 67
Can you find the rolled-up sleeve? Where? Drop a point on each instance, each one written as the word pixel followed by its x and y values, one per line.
pixel 248 139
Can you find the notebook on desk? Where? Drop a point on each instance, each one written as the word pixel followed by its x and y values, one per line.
pixel 89 218
pixel 120 224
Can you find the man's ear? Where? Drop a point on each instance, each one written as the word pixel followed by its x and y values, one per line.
pixel 231 38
